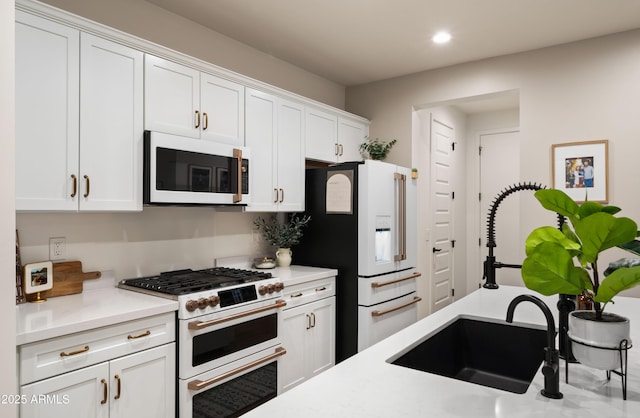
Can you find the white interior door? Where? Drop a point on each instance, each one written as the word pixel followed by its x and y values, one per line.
pixel 441 204
pixel 499 169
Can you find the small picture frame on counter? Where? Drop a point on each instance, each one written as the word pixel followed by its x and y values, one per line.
pixel 37 278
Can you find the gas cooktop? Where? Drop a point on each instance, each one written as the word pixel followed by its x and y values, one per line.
pixel 184 282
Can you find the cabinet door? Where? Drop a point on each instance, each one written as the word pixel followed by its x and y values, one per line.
pixel 292 368
pixel 321 138
pixel 143 384
pixel 47 109
pixel 322 336
pixel 171 97
pixel 290 156
pixel 111 118
pixel 82 393
pixel 222 107
pixel 260 137
pixel 350 135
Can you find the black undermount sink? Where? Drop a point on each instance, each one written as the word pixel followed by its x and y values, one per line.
pixel 483 351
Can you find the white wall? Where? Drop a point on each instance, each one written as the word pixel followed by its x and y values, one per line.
pixel 575 92
pixel 8 383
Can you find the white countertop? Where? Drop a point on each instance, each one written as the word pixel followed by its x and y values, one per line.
pixel 100 304
pixel 366 386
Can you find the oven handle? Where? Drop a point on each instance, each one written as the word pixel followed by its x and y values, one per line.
pixel 196 325
pixel 199 384
pixel 416 299
pixel 380 284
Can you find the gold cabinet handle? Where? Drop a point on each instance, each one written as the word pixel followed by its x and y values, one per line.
pixel 197 118
pixel 105 395
pixel 308 320
pixel 199 384
pixel 341 148
pixel 196 325
pixel 134 337
pixel 119 387
pixel 88 184
pixel 276 193
pixel 381 284
pixel 237 153
pixel 416 299
pixel 75 185
pixel 281 195
pixel 206 122
pixel 73 353
pixel 321 289
pixel 313 317
pixel 296 295
pixel 336 148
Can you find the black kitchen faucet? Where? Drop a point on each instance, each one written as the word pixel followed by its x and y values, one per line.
pixel 552 356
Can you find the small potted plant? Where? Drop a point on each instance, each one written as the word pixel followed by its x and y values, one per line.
pixel 566 262
pixel 283 236
pixel 376 149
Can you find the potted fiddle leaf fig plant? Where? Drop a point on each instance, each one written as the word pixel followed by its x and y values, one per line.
pixel 566 262
pixel 376 149
pixel 282 235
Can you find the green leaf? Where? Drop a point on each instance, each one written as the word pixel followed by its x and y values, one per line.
pixel 589 208
pixel 601 231
pixel 549 234
pixel 631 246
pixel 558 201
pixel 549 270
pixel 616 282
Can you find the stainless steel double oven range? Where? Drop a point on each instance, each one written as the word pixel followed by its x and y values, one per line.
pixel 228 337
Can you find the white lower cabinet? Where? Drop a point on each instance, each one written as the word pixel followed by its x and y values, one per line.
pixel 137 385
pixel 308 333
pixel 124 370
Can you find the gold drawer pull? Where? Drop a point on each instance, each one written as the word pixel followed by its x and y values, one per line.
pixel 296 295
pixel 133 337
pixel 321 289
pixel 73 353
pixel 381 284
pixel 416 299
pixel 105 393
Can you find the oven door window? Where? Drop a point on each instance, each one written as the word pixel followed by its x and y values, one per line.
pixel 219 343
pixel 238 396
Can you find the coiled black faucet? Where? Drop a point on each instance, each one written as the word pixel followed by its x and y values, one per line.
pixel 551 366
pixel 490 264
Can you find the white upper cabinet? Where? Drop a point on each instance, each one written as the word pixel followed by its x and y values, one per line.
pixel 111 131
pixel 47 114
pixel 274 132
pixel 332 138
pixel 78 120
pixel 183 101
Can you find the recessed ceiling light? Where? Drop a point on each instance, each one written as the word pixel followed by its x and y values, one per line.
pixel 441 37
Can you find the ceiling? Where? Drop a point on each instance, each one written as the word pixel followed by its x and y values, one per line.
pixel 353 42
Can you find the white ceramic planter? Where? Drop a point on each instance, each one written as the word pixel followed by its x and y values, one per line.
pixel 605 334
pixel 283 255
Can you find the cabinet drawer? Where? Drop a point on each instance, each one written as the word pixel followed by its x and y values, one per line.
pixel 308 292
pixel 51 357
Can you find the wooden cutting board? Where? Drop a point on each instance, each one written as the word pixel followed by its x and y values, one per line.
pixel 67 280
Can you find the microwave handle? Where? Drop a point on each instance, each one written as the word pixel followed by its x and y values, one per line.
pixel 237 197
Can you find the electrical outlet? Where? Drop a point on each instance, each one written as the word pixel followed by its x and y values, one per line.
pixel 57 248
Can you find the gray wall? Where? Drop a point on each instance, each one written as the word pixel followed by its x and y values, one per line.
pixel 581 91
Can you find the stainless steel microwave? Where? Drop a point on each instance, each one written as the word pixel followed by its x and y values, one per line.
pixel 187 171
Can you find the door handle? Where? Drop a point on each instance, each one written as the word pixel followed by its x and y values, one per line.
pixel 436 250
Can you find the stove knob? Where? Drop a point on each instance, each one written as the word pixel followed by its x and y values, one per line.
pixel 270 288
pixel 202 303
pixel 262 290
pixel 213 301
pixel 191 305
pixel 279 286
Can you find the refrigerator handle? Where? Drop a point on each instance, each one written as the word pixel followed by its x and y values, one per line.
pixel 402 216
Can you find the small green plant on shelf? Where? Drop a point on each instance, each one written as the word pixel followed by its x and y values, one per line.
pixel 376 149
pixel 282 235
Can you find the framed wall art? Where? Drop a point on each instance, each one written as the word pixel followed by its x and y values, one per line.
pixel 581 170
